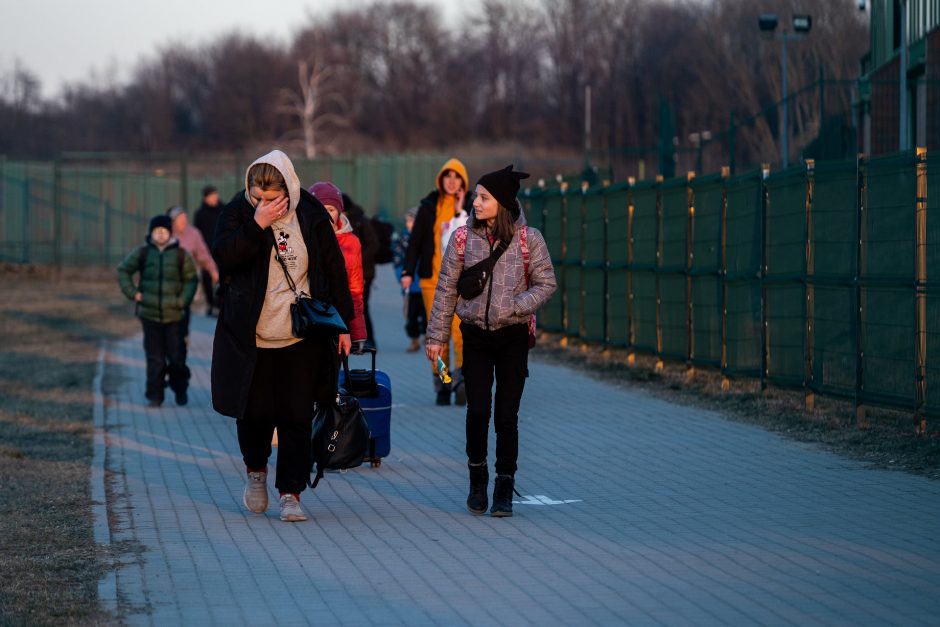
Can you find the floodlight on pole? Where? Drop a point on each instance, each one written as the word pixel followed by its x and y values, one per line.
pixel 768 22
pixel 801 25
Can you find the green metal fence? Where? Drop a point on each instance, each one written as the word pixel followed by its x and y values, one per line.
pixel 93 208
pixel 815 277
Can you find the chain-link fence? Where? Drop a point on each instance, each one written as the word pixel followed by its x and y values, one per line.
pixel 813 277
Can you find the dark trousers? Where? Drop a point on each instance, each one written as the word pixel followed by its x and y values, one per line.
pixel 208 288
pixel 184 333
pixel 281 396
pixel 162 342
pixel 505 354
pixel 366 290
pixel 416 319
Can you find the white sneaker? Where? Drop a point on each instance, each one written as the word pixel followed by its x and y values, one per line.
pixel 256 492
pixel 290 509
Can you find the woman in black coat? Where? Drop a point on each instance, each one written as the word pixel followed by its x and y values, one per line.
pixel 262 375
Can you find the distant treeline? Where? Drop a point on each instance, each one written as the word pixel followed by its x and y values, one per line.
pixel 391 76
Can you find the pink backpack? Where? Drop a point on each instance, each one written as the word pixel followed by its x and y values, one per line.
pixel 460 241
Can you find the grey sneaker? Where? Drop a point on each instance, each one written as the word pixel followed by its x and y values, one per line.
pixel 290 509
pixel 256 492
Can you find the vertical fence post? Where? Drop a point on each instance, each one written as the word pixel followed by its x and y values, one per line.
pixel 631 325
pixel 57 214
pixel 105 219
pixel 3 185
pixel 764 318
pixel 184 182
pixel 723 277
pixel 732 137
pixel 563 264
pixel 920 295
pixel 689 239
pixel 107 232
pixel 659 260
pixel 544 210
pixel 582 262
pixel 606 312
pixel 25 221
pixel 809 288
pixel 236 161
pixel 861 262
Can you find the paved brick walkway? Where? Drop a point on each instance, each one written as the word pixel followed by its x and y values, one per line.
pixel 676 516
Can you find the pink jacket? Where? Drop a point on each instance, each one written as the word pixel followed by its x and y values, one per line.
pixel 191 241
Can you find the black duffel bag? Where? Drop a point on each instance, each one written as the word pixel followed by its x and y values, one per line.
pixel 341 434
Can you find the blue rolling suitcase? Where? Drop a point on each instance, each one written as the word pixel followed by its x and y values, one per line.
pixel 373 388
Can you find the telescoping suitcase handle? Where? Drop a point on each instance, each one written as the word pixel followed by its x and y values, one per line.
pixel 372 351
pixel 368 350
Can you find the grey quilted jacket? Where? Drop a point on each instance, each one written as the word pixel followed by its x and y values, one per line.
pixel 509 300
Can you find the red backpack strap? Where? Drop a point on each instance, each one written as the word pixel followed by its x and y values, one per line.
pixel 524 244
pixel 460 241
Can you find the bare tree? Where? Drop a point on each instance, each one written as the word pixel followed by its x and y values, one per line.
pixel 308 106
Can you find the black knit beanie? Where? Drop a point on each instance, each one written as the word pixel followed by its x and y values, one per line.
pixel 161 220
pixel 504 186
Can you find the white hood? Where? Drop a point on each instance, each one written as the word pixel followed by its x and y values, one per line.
pixel 283 164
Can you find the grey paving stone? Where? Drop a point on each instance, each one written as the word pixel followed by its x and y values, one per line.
pixel 678 517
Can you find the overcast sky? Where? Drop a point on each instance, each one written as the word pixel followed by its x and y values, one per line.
pixel 65 40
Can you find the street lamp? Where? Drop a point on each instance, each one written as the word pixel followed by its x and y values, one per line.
pixel 801 25
pixel 698 140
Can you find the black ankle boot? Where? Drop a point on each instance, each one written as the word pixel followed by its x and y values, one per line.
pixel 479 481
pixel 502 496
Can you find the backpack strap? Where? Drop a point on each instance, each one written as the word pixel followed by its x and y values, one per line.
pixel 460 241
pixel 524 244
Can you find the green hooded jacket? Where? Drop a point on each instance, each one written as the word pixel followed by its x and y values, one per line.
pixel 166 290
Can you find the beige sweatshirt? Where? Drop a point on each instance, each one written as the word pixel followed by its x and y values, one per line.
pixel 274 327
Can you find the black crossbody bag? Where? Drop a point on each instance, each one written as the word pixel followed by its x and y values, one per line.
pixel 472 281
pixel 308 315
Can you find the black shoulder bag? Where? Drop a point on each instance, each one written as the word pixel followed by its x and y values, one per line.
pixel 472 280
pixel 309 316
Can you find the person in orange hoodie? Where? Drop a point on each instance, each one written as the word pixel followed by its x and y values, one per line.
pixel 332 199
pixel 438 208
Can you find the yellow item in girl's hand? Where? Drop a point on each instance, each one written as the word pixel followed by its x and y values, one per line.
pixel 442 371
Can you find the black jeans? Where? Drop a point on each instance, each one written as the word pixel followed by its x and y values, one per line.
pixel 417 322
pixel 281 396
pixel 208 288
pixel 162 341
pixel 505 353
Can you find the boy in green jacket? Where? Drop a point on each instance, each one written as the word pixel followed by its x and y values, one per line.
pixel 165 288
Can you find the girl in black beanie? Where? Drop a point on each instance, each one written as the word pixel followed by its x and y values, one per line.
pixel 496 322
